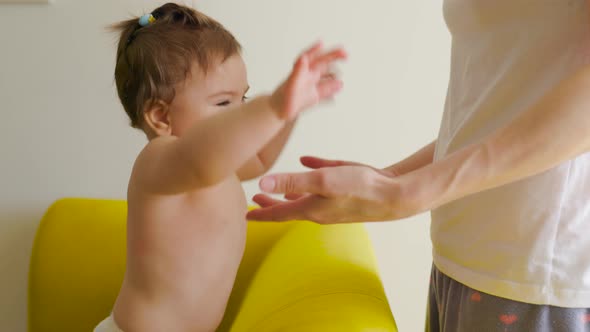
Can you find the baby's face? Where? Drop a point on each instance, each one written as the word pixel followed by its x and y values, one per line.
pixel 201 95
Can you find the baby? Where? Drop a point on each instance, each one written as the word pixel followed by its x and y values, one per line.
pixel 182 81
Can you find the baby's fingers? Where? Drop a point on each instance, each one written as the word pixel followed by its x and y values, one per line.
pixel 328 88
pixel 314 51
pixel 322 63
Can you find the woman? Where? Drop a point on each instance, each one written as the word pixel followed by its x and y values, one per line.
pixel 507 180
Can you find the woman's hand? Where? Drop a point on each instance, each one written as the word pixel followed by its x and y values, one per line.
pixel 336 192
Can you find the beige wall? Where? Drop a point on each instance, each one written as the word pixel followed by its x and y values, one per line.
pixel 64 133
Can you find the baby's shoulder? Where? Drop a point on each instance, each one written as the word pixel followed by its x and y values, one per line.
pixel 149 162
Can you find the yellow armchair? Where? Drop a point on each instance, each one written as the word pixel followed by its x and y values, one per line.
pixel 294 276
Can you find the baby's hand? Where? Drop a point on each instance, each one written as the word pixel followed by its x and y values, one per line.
pixel 310 82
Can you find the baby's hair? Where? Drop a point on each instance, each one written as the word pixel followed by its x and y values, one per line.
pixel 158 53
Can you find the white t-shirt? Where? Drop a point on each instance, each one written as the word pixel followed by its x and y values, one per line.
pixel 528 241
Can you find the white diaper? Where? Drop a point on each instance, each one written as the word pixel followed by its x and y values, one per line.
pixel 108 325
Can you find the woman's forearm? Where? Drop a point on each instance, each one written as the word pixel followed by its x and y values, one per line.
pixel 419 159
pixel 553 131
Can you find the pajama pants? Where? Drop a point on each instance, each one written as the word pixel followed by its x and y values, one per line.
pixel 454 307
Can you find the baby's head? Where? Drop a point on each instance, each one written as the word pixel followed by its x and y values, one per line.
pixel 175 67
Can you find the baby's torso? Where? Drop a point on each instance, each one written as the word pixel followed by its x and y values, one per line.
pixel 183 254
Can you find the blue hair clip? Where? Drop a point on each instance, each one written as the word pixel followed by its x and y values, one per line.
pixel 146 20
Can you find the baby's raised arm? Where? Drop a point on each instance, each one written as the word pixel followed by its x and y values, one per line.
pixel 219 145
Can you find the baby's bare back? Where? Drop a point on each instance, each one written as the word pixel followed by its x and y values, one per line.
pixel 183 252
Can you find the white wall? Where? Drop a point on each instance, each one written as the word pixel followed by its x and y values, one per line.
pixel 63 132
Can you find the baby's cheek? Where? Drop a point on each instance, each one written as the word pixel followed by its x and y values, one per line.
pixel 183 121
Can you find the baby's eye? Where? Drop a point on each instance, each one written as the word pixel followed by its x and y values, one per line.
pixel 244 98
pixel 224 103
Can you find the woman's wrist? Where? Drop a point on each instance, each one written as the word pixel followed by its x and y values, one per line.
pixel 397 197
pixel 419 159
pixel 461 173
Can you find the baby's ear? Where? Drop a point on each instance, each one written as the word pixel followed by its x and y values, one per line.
pixel 157 118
